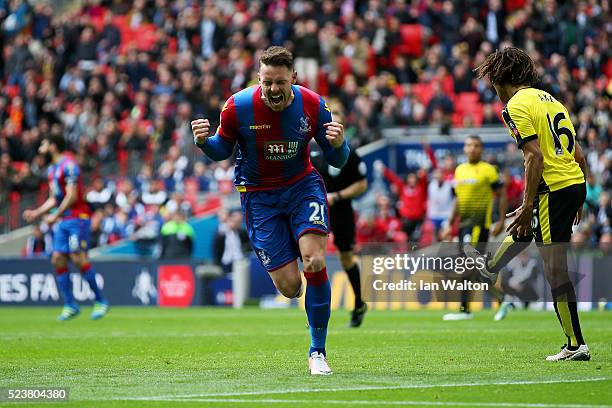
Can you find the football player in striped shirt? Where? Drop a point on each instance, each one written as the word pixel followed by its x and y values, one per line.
pixel 283 198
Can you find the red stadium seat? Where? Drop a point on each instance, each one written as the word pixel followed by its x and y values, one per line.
pixel 412 40
pixel 97 21
pixel 371 62
pixel 18 166
pixel 607 70
pixel 467 104
pixel 497 108
pixel 398 90
pixel 423 91
pixel 448 85
pixel 469 98
pixel 12 91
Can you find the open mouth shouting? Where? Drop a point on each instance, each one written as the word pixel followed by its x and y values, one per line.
pixel 276 100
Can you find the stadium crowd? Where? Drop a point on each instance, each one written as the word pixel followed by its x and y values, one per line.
pixel 122 80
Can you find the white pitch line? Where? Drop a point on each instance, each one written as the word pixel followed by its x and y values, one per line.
pixel 373 402
pixel 363 388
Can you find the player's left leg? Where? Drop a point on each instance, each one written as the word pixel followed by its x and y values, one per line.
pixel 71 308
pixel 59 259
pixel 306 206
pixel 79 243
pixel 318 298
pixel 343 227
pixel 556 213
pixel 347 259
pixel 81 261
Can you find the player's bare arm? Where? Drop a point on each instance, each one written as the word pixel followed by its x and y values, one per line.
pixel 498 227
pixel 67 202
pixel 31 215
pixel 352 191
pixel 334 132
pixel 581 160
pixel 201 130
pixel 534 166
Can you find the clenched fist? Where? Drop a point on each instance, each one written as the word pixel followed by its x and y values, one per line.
pixel 334 132
pixel 201 130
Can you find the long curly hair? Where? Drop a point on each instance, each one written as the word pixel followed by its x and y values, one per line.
pixel 510 66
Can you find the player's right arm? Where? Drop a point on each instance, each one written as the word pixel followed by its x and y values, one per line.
pixel 31 215
pixel 581 159
pixel 220 146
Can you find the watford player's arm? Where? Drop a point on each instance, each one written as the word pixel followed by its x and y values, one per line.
pixel 517 116
pixel 336 157
pixel 581 159
pixel 534 166
pixel 220 146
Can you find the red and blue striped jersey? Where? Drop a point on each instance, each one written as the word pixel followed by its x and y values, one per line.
pixel 272 146
pixel 61 174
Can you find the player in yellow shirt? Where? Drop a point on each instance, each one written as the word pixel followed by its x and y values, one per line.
pixel 555 189
pixel 476 184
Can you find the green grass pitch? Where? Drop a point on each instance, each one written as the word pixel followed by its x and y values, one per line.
pixel 242 358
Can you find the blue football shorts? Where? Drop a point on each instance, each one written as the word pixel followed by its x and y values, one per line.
pixel 276 219
pixel 72 235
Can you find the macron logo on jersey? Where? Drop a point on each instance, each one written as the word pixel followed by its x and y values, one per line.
pixel 260 127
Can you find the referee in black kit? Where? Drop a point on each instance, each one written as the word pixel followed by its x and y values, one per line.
pixel 342 186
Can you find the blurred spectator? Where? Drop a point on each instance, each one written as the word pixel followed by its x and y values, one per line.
pixel 439 101
pixel 306 52
pixel 593 192
pixel 224 177
pixel 514 190
pixel 603 216
pixel 412 199
pixel 24 180
pixel 156 194
pixel 519 279
pixel 147 229
pixel 177 237
pixel 203 178
pixel 124 190
pixel 231 242
pixel 178 203
pixel 114 225
pixel 440 198
pixel 99 195
pixel 40 243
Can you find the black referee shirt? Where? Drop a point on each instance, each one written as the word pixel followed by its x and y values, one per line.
pixel 337 179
